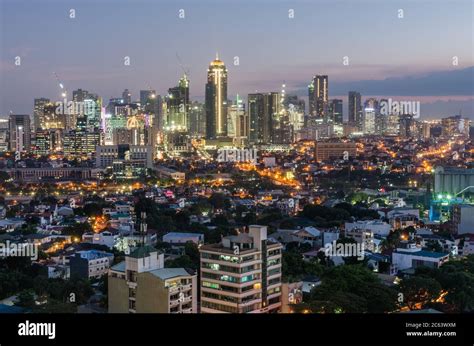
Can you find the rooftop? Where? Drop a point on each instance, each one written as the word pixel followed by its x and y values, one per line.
pixel 142 251
pixel 423 253
pixel 168 273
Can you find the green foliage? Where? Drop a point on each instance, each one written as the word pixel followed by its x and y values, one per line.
pixel 351 288
pixel 295 268
pixel 419 290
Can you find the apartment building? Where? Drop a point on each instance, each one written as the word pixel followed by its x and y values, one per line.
pixel 241 274
pixel 90 264
pixel 141 284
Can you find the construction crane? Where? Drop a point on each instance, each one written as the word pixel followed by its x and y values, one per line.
pixel 61 85
pixel 185 70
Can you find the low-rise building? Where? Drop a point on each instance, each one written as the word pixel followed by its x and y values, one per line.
pixel 183 238
pixel 90 264
pixel 411 256
pixel 141 284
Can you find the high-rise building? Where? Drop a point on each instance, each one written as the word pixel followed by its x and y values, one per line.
pixel 177 106
pixel 141 284
pixel 20 132
pixel 455 126
pixel 216 100
pixel 335 111
pixel 242 274
pixel 318 93
pixel 127 96
pixel 236 119
pixel 355 109
pixel 79 95
pixel 263 109
pixel 197 119
pixel 38 112
pixel 81 143
pixel 149 101
pixel 371 111
pixel 407 126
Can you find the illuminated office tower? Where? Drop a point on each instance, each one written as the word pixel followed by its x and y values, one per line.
pixel 381 120
pixel 38 112
pixel 236 111
pixel 20 132
pixel 318 94
pixel 80 143
pixel 216 100
pixel 371 110
pixel 177 102
pixel 296 111
pixel 92 112
pixel 455 126
pixel 263 109
pixel 197 119
pixel 335 111
pixel 355 109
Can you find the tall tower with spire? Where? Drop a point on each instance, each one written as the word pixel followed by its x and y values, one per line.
pixel 216 99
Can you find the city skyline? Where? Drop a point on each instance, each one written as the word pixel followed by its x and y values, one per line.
pixel 82 61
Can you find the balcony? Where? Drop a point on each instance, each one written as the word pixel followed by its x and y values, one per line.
pixel 173 289
pixel 186 287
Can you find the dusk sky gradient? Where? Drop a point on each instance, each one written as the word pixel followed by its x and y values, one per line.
pixel 392 57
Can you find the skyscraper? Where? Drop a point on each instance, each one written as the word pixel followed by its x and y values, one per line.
pixel 216 100
pixel 197 119
pixel 371 111
pixel 355 109
pixel 236 113
pixel 318 93
pixel 335 110
pixel 263 109
pixel 127 96
pixel 177 102
pixel 20 132
pixel 38 112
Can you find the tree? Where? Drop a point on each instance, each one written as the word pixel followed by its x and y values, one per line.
pixel 351 288
pixel 418 291
pixel 26 299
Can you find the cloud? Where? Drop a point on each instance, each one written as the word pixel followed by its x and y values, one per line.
pixel 440 83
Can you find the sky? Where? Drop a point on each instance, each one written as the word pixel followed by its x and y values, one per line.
pixel 409 58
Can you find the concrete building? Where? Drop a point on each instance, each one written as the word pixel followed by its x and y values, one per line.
pixel 90 264
pixel 334 150
pixel 463 218
pixel 377 227
pixel 165 172
pixel 242 274
pixel 451 181
pixel 141 284
pixel 125 160
pixel 20 132
pixel 411 256
pixel 183 238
